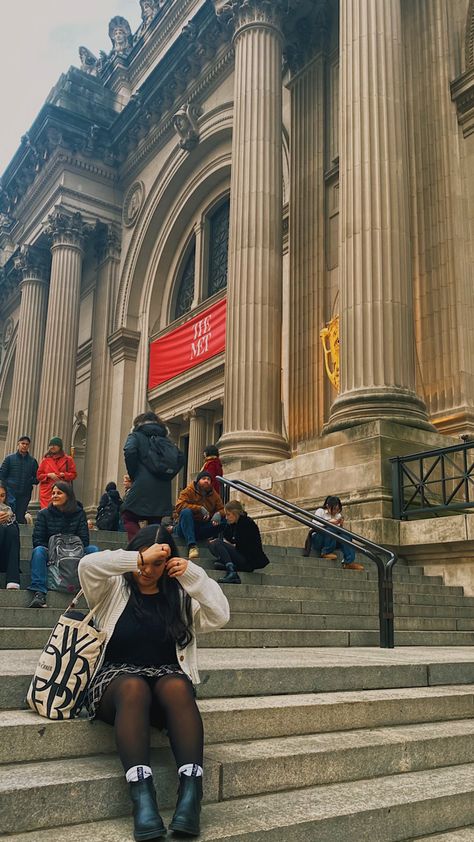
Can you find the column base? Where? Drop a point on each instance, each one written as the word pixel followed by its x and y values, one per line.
pixel 244 449
pixel 398 405
pixel 456 422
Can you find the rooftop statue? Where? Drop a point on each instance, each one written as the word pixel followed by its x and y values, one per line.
pixel 149 8
pixel 89 63
pixel 121 36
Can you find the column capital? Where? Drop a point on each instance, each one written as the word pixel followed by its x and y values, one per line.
pixel 241 14
pixel 107 241
pixel 32 264
pixel 67 229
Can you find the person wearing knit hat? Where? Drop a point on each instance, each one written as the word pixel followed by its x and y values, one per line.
pixel 55 465
pixel 199 511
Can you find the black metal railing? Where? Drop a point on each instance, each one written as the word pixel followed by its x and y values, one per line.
pixel 433 481
pixel 383 558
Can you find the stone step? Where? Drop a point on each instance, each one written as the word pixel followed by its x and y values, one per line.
pixel 34 638
pixel 391 809
pixel 233 770
pixel 462 834
pixel 256 672
pixel 26 738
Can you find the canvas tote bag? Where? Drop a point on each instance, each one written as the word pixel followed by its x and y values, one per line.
pixel 66 665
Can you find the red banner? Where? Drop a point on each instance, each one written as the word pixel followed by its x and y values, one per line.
pixel 188 346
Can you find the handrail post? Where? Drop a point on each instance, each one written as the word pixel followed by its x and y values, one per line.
pixel 396 488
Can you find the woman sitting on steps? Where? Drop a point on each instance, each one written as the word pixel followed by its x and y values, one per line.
pixel 324 544
pixel 151 604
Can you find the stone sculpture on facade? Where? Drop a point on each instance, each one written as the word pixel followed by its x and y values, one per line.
pixel 185 122
pixel 89 63
pixel 121 36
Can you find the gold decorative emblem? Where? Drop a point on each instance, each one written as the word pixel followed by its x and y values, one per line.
pixel 330 340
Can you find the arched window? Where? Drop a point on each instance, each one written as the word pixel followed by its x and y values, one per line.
pixel 218 248
pixel 185 296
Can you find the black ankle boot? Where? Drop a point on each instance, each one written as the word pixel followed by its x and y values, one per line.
pixel 231 578
pixel 148 823
pixel 188 806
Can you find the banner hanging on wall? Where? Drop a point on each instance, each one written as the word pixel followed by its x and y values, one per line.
pixel 189 345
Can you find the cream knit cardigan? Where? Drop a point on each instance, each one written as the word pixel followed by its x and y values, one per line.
pixel 107 592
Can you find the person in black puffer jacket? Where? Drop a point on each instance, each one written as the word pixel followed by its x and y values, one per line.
pixel 149 498
pixel 240 547
pixel 108 510
pixel 64 516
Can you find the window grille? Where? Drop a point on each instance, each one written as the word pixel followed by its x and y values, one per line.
pixel 218 249
pixel 185 296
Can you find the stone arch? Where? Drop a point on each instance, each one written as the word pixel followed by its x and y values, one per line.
pixel 469 42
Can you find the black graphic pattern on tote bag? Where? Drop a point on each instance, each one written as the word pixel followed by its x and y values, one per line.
pixel 69 658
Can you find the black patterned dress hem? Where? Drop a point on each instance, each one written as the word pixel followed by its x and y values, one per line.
pixel 108 672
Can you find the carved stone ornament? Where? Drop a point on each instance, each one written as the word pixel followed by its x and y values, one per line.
pixel 8 332
pixel 107 241
pixel 121 36
pixel 89 63
pixel 133 203
pixel 31 263
pixel 150 9
pixel 246 12
pixel 185 122
pixel 66 229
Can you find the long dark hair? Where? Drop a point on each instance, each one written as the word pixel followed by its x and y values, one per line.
pixel 70 505
pixel 175 606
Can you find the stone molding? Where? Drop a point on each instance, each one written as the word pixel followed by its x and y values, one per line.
pixel 108 242
pixel 84 353
pixel 469 42
pixel 123 345
pixel 32 264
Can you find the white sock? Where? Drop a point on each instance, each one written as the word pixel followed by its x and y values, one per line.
pixel 138 773
pixel 191 769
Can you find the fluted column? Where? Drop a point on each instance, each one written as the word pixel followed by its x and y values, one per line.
pixel 441 259
pixel 252 409
pixel 377 333
pixel 56 402
pixel 198 433
pixel 107 247
pixel 307 267
pixel 34 270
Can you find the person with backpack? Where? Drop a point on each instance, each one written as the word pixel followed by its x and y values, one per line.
pixel 54 466
pixel 64 516
pixel 108 510
pixel 152 461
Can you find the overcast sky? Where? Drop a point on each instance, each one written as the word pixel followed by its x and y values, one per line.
pixel 40 40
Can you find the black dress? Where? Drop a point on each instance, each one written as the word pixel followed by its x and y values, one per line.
pixel 138 646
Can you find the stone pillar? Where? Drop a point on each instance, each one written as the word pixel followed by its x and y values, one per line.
pixel 377 331
pixel 252 399
pixel 198 433
pixel 34 271
pixel 307 265
pixel 123 347
pixel 56 402
pixel 442 230
pixel 107 245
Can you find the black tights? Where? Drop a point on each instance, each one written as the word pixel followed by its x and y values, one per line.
pixel 132 703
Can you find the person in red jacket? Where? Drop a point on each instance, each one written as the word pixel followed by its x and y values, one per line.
pixel 213 465
pixel 54 465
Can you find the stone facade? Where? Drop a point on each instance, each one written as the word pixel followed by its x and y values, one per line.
pixel 305 159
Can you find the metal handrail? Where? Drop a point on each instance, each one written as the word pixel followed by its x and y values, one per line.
pixel 415 474
pixel 383 558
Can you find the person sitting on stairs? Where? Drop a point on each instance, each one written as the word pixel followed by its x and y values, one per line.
pixel 151 604
pixel 9 542
pixel 324 544
pixel 240 547
pixel 199 511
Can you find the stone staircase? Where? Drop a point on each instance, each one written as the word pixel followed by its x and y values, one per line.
pixel 312 732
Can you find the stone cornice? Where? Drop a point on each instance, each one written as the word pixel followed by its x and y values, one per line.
pixel 123 345
pixel 84 353
pixel 462 93
pixel 148 47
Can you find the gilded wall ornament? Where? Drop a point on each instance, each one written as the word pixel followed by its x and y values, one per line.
pixel 133 203
pixel 330 341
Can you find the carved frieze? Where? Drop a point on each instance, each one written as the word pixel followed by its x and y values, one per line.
pixel 186 124
pixel 133 203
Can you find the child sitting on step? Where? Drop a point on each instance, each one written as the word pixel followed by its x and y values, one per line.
pixel 324 544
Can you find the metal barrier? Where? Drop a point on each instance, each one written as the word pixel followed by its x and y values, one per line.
pixel 433 481
pixel 384 559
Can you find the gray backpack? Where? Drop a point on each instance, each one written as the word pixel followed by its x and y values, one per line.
pixel 64 555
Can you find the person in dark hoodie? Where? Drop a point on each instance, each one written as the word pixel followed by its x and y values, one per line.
pixel 108 510
pixel 240 547
pixel 64 516
pixel 152 461
pixel 199 511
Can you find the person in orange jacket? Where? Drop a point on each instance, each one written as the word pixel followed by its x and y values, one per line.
pixel 54 465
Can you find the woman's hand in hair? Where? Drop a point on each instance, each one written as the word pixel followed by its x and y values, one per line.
pixel 156 554
pixel 176 567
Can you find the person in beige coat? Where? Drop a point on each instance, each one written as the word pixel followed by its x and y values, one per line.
pixel 151 604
